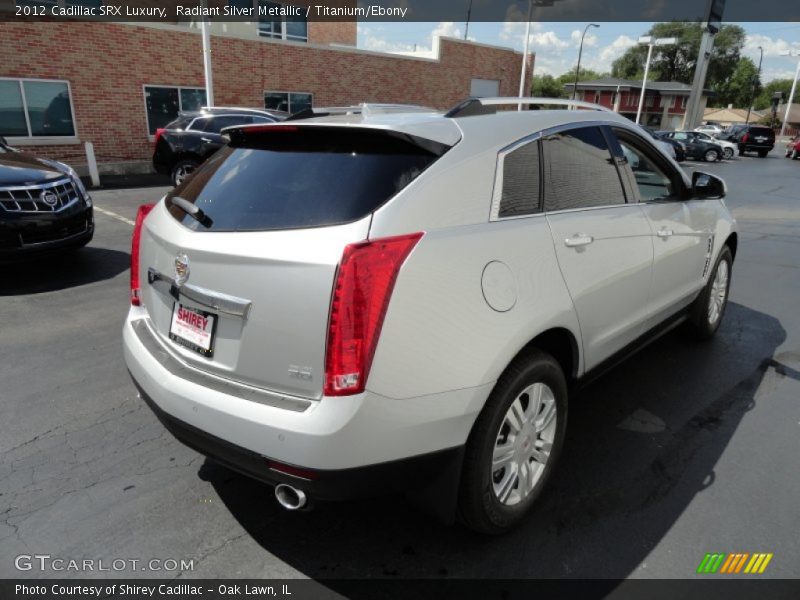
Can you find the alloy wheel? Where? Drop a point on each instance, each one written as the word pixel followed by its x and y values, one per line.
pixel 524 443
pixel 719 293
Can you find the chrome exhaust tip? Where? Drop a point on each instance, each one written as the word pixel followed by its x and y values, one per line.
pixel 290 497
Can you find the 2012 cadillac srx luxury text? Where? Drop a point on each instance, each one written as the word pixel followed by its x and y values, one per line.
pixel 386 298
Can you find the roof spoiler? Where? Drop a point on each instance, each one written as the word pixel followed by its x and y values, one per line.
pixel 488 106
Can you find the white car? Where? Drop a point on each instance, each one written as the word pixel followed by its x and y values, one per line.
pixel 385 298
pixel 709 129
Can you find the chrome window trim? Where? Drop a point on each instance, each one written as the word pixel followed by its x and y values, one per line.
pixel 497 192
pixel 177 367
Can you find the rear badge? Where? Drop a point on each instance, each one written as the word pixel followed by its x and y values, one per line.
pixel 181 269
pixel 304 373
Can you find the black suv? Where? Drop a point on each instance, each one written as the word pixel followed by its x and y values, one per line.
pixel 758 138
pixel 44 207
pixel 186 142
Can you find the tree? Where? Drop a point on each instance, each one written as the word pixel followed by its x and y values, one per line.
pixel 763 100
pixel 677 62
pixel 547 86
pixel 738 89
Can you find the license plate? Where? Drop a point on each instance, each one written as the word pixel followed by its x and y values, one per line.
pixel 761 139
pixel 193 329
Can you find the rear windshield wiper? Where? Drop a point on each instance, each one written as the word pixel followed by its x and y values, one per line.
pixel 193 211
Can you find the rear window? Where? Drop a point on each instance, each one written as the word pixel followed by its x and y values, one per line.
pixel 302 177
pixel 179 123
pixel 761 131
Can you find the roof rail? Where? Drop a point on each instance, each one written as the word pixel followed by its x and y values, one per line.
pixel 365 109
pixel 486 106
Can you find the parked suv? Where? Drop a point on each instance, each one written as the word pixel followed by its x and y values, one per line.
pixel 756 138
pixel 44 207
pixel 356 303
pixel 186 142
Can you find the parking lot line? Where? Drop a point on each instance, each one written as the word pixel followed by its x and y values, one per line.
pixel 113 215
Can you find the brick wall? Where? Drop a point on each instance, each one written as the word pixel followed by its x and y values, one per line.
pixel 107 65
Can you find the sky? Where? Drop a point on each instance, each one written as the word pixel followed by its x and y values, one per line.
pixel 556 44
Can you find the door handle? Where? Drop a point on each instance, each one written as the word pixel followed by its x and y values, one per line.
pixel 207 140
pixel 577 240
pixel 664 232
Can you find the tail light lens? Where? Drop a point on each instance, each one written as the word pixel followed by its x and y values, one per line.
pixel 159 132
pixel 745 137
pixel 364 285
pixel 144 209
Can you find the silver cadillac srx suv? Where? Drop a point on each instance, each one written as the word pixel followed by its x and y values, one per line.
pixel 375 299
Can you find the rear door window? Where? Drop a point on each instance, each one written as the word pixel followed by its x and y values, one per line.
pixel 300 177
pixel 217 124
pixel 579 170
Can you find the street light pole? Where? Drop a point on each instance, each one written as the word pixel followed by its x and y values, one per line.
pixel 650 41
pixel 525 47
pixel 755 81
pixel 207 59
pixel 580 52
pixel 791 94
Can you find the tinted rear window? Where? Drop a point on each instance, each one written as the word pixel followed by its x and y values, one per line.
pixel 303 177
pixel 762 131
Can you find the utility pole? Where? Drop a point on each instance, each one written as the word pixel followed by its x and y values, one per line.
pixel 713 23
pixel 204 27
pixel 525 48
pixel 791 94
pixel 755 83
pixel 695 105
pixel 469 13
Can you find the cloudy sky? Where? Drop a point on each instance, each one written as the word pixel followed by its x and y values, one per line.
pixel 556 44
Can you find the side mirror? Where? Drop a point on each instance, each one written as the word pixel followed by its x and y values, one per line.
pixel 707 186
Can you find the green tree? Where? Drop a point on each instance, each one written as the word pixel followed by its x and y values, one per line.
pixel 776 85
pixel 737 90
pixel 677 62
pixel 547 86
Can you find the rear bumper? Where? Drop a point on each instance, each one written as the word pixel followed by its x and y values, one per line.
pixel 325 485
pixel 339 434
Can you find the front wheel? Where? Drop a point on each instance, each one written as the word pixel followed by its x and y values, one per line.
pixel 705 314
pixel 514 444
pixel 711 156
pixel 727 153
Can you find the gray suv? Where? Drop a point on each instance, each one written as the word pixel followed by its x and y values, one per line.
pixel 382 298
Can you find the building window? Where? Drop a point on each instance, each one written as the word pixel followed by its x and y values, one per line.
pixel 163 103
pixel 273 25
pixel 649 101
pixel 291 102
pixel 36 108
pixel 597 97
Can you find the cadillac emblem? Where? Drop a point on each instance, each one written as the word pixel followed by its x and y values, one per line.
pixel 181 269
pixel 49 198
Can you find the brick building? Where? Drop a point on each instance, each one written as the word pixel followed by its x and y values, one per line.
pixel 65 83
pixel 664 101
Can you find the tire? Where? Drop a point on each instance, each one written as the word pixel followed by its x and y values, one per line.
pixel 763 153
pixel 181 170
pixel 532 375
pixel 727 153
pixel 703 319
pixel 711 156
pixel 795 154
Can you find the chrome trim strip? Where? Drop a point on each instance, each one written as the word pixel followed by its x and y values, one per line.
pixel 176 367
pixel 57 240
pixel 231 305
pixel 36 186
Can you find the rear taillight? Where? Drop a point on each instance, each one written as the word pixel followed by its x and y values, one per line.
pixel 159 132
pixel 364 284
pixel 745 137
pixel 135 239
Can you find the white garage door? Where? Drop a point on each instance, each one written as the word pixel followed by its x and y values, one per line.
pixel 483 88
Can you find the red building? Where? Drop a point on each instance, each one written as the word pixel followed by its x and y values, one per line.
pixel 66 83
pixel 664 101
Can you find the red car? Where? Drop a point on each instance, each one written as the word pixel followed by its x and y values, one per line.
pixel 793 147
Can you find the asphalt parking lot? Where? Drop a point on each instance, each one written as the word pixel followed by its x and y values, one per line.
pixel 684 449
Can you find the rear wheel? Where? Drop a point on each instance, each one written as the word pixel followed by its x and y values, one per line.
pixel 763 153
pixel 711 156
pixel 514 444
pixel 182 169
pixel 727 153
pixel 705 314
pixel 795 154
